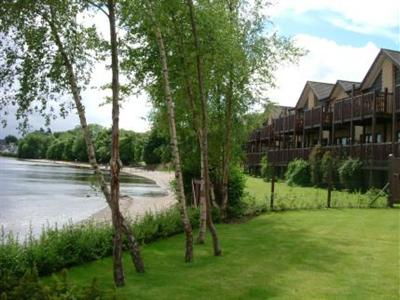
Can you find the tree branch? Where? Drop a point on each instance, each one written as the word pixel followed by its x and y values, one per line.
pixel 98 6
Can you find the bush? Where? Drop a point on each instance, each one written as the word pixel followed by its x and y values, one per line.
pixel 71 245
pixel 315 159
pixel 351 175
pixel 237 182
pixel 298 173
pixel 329 169
pixel 29 286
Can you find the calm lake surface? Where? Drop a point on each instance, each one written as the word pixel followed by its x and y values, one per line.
pixel 37 194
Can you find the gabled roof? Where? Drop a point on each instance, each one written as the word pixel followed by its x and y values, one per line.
pixel 394 55
pixel 321 91
pixel 346 85
pixel 373 71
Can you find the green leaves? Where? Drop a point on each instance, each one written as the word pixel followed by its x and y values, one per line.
pixel 34 77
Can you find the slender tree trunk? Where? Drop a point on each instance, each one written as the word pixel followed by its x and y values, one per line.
pixel 75 91
pixel 197 127
pixel 175 150
pixel 201 238
pixel 232 5
pixel 198 130
pixel 227 150
pixel 115 160
pixel 204 149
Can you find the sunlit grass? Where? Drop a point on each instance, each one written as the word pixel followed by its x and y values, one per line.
pixel 320 254
pixel 288 197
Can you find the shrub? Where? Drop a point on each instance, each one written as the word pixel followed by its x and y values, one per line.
pixel 329 169
pixel 29 286
pixel 298 173
pixel 351 175
pixel 315 159
pixel 59 248
pixel 236 185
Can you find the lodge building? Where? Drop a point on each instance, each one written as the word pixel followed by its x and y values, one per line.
pixel 350 119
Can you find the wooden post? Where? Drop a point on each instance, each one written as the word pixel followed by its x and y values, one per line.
pixel 304 132
pixel 271 205
pixel 321 127
pixel 373 138
pixel 329 195
pixel 394 120
pixel 351 120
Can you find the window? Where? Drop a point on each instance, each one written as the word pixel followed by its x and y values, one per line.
pixel 398 136
pixel 368 138
pixel 379 137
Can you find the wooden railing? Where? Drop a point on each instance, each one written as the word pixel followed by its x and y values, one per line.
pixel 317 117
pixel 362 105
pixel 358 107
pixel 365 152
pixel 312 117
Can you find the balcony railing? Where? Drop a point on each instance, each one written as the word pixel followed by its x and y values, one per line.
pixel 365 152
pixel 317 117
pixel 361 106
pixel 358 107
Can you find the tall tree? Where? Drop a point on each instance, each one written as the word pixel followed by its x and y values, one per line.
pixel 204 125
pixel 51 54
pixel 115 163
pixel 152 31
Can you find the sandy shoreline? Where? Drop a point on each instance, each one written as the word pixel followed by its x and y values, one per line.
pixel 133 207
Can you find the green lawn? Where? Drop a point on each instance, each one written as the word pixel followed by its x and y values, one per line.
pixel 287 197
pixel 319 254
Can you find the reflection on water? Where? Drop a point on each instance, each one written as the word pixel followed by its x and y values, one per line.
pixel 40 194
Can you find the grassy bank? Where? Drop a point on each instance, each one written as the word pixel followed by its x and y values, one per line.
pixel 325 254
pixel 287 197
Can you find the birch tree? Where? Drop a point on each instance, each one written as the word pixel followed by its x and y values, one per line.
pixel 47 53
pixel 152 31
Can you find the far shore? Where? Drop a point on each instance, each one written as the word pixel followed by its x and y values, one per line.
pixel 131 207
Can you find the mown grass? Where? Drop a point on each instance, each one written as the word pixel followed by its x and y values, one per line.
pixel 319 254
pixel 292 197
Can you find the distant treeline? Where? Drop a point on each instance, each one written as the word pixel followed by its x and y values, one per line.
pixel 70 146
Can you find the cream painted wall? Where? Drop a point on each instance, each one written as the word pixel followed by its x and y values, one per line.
pixel 310 99
pixel 387 75
pixel 339 93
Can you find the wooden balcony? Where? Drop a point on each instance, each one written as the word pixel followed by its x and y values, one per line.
pixel 362 106
pixel 316 117
pixel 365 152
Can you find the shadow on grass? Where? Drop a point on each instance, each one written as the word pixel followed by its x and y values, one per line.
pixel 258 259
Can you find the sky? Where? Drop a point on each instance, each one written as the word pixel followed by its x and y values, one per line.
pixel 342 38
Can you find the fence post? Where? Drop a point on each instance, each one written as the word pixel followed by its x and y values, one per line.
pixel 272 188
pixel 329 195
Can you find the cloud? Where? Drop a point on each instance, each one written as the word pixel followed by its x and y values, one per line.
pixel 326 61
pixel 368 17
